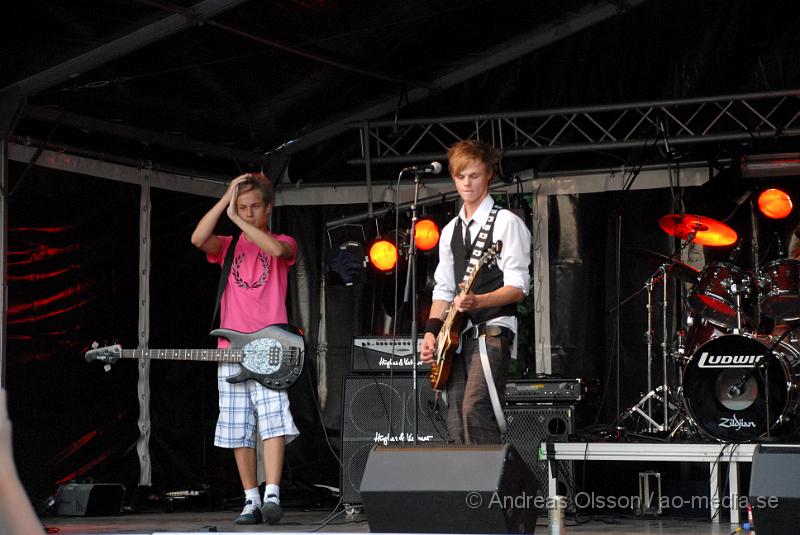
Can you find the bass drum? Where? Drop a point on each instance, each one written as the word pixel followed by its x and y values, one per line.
pixel 728 384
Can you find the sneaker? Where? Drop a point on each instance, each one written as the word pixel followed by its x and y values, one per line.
pixel 251 514
pixel 272 512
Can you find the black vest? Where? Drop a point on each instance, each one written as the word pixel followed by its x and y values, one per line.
pixel 489 278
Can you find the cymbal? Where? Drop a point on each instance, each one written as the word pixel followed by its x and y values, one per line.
pixel 697 228
pixel 679 270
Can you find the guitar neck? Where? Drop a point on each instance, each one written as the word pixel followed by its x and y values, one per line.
pixel 201 355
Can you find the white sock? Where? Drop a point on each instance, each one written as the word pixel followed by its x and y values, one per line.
pixel 253 495
pixel 272 493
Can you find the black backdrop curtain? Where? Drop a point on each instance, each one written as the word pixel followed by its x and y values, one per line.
pixel 73 279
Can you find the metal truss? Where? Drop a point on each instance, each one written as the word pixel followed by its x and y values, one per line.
pixel 669 123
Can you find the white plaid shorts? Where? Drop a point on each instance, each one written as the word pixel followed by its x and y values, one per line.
pixel 240 404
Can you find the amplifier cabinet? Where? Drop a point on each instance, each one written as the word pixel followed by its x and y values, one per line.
pixel 529 426
pixel 379 409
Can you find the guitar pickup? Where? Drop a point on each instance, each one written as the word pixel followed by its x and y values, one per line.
pixel 294 357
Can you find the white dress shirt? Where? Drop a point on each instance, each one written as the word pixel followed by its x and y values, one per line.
pixel 513 260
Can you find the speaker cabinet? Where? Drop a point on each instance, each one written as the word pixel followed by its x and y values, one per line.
pixel 379 410
pixel 89 499
pixel 453 489
pixel 775 488
pixel 528 427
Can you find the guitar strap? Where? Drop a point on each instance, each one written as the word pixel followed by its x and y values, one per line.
pixel 223 279
pixel 487 372
pixel 481 242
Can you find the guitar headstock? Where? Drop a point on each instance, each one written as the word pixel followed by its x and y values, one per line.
pixel 491 253
pixel 106 354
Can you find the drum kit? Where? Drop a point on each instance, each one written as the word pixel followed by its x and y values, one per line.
pixel 731 382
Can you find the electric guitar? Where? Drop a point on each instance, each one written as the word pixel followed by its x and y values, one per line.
pixel 448 339
pixel 273 356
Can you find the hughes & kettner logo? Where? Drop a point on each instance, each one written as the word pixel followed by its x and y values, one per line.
pixel 735 423
pixel 708 360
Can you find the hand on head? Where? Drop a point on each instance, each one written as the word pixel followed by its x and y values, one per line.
pixel 233 194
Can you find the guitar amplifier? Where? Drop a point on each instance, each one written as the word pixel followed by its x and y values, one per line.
pixel 547 390
pixel 382 354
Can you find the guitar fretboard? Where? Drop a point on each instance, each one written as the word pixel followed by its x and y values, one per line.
pixel 208 355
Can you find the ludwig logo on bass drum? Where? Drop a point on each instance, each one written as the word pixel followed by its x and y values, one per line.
pixel 728 361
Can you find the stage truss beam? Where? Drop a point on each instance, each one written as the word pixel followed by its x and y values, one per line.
pixel 669 124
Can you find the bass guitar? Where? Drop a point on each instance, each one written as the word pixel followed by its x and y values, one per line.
pixel 447 342
pixel 273 356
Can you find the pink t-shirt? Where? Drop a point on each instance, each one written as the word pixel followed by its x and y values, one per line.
pixel 255 295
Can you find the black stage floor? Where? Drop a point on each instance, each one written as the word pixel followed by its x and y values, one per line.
pixel 309 521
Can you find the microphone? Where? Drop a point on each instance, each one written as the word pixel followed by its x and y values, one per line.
pixel 433 168
pixel 737 388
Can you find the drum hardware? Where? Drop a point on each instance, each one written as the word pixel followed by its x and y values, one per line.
pixel 662 393
pixel 738 287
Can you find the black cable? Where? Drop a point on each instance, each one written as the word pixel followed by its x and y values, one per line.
pixel 321 420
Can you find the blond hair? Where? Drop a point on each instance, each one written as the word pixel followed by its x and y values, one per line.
pixel 463 153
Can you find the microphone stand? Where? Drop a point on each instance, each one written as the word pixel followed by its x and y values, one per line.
pixel 411 296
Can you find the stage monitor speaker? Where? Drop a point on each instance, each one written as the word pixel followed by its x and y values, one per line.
pixel 528 427
pixel 775 488
pixel 89 499
pixel 454 489
pixel 379 410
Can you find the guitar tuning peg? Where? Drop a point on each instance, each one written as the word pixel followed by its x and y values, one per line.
pixel 95 345
pixel 107 368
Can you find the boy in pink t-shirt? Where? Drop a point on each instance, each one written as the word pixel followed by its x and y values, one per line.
pixel 254 297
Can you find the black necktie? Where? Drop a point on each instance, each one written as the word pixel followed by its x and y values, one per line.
pixel 467 239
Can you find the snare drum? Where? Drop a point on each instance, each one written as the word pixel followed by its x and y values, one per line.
pixel 712 297
pixel 726 386
pixel 779 297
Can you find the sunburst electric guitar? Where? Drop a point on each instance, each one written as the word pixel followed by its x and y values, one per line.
pixel 273 356
pixel 447 340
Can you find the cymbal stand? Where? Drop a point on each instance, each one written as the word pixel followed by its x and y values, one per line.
pixel 665 338
pixel 649 284
pixel 662 393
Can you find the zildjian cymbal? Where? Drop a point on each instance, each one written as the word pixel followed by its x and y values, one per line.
pixel 679 270
pixel 698 229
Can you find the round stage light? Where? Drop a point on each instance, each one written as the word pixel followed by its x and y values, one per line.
pixel 383 255
pixel 426 234
pixel 775 203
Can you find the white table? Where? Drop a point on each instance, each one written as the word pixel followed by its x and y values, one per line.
pixel 713 454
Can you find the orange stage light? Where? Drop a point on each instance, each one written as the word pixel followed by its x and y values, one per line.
pixel 774 203
pixel 383 255
pixel 426 234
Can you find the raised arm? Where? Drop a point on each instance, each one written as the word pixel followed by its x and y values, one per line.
pixel 265 240
pixel 203 236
